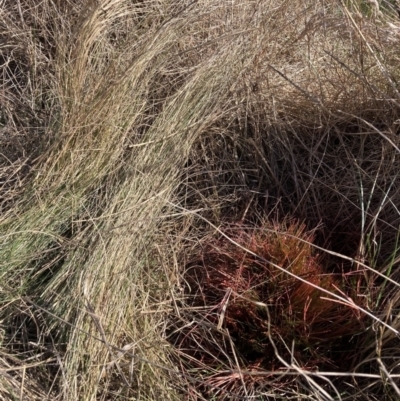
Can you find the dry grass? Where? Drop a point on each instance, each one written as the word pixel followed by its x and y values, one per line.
pixel 266 290
pixel 132 132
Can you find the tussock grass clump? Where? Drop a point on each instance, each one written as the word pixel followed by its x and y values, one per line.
pixel 126 116
pixel 265 300
pixel 302 308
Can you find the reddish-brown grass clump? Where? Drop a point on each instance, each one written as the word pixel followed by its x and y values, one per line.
pixel 267 290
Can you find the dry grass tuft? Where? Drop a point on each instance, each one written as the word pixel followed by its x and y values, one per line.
pixel 264 301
